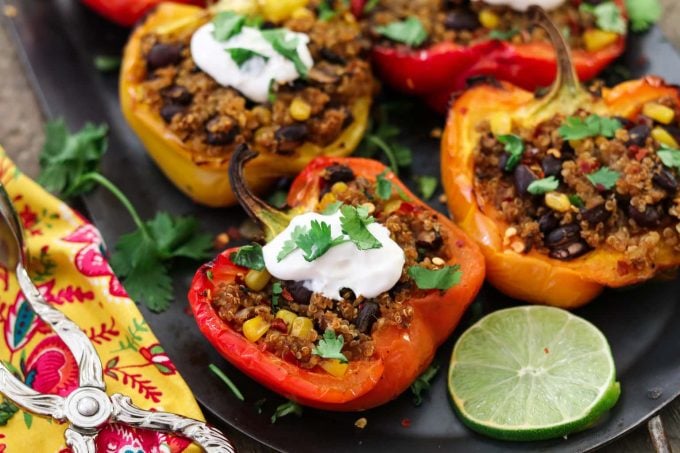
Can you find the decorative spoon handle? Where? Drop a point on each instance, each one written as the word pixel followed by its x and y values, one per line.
pixel 209 438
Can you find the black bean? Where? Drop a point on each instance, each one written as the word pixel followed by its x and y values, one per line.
pixel 482 80
pixel 223 135
pixel 563 235
pixel 548 222
pixel 293 133
pixel 369 314
pixel 461 19
pixel 430 240
pixel 162 55
pixel 650 217
pixel 299 84
pixel 168 111
pixel 523 177
pixel 570 251
pixel 297 289
pixel 596 214
pixel 551 166
pixel 177 94
pixel 502 162
pixel 665 179
pixel 567 151
pixel 338 173
pixel 625 122
pixel 329 55
pixel 638 135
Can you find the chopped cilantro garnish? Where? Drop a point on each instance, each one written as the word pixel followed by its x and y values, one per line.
pixel 503 35
pixel 313 241
pixel 427 185
pixel 249 256
pixel 240 55
pixel 107 63
pixel 332 208
pixel 291 244
pixel 607 16
pixel 383 186
pixel 669 156
pixel 410 31
pixel 277 37
pixel 514 146
pixel 354 223
pixel 277 290
pixel 423 383
pixel 543 185
pixel 326 11
pixel 290 407
pixel 442 279
pixel 575 128
pixel 643 13
pixel 381 136
pixel 604 178
pixel 227 24
pixel 576 201
pixel 370 5
pixel 224 378
pixel 330 346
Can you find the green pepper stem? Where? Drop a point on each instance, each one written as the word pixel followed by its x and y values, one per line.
pixel 116 192
pixel 271 219
pixel 566 80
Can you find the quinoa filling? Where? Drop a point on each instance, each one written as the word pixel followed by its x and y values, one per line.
pixel 464 22
pixel 298 318
pixel 212 119
pixel 566 194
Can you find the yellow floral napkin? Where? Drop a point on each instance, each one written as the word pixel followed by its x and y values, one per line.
pixel 69 266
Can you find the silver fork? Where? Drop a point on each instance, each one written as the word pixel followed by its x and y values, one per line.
pixel 88 408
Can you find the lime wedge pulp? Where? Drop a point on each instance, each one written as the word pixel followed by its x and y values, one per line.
pixel 532 373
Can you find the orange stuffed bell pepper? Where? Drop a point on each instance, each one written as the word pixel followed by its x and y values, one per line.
pixel 569 192
pixel 352 350
pixel 190 123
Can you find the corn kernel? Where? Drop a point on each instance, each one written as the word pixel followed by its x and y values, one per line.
pixel 557 201
pixel 287 316
pixel 246 7
pixel 658 112
pixel 594 40
pixel 302 13
pixel 334 367
pixel 489 19
pixel 301 327
pixel 501 123
pixel 339 187
pixel 254 328
pixel 256 280
pixel 280 10
pixel 662 136
pixel 392 206
pixel 299 109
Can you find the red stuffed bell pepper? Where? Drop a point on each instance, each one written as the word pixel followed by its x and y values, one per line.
pixel 128 12
pixel 353 352
pixel 454 42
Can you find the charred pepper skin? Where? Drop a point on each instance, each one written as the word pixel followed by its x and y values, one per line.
pixel 534 276
pixel 128 12
pixel 436 72
pixel 402 354
pixel 204 179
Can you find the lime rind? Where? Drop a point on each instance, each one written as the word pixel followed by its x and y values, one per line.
pixel 532 373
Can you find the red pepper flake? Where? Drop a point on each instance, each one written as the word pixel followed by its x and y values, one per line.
pixel 405 422
pixel 546 350
pixel 280 325
pixel 287 295
pixel 587 167
pixel 641 154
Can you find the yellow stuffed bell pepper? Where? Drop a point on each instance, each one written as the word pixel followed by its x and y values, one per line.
pixel 190 124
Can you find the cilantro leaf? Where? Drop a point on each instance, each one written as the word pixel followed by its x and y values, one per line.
pixel 370 6
pixel 402 155
pixel 354 223
pixel 576 201
pixel 503 35
pixel 290 407
pixel 514 146
pixel 291 244
pixel 229 383
pixel 427 185
pixel 607 16
pixel 575 128
pixel 227 24
pixel 332 208
pixel 278 199
pixel 326 11
pixel 277 290
pixel 383 186
pixel 278 38
pixel 423 383
pixel 381 136
pixel 66 158
pixel 249 256
pixel 442 279
pixel 317 240
pixel 643 13
pixel 241 55
pixel 410 31
pixel 604 178
pixel 330 346
pixel 544 185
pixel 669 157
pixel 107 63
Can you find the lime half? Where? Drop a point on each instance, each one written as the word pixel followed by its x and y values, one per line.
pixel 532 373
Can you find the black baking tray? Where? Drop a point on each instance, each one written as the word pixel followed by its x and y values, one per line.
pixel 58 41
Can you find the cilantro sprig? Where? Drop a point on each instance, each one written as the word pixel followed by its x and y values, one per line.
pixel 604 178
pixel 643 13
pixel 541 186
pixel 355 223
pixel 287 408
pixel 514 146
pixel 574 128
pixel 228 382
pixel 278 38
pixel 249 256
pixel 409 31
pixel 608 16
pixel 423 383
pixel 69 166
pixel 330 346
pixel 427 186
pixel 442 279
pixel 381 136
pixel 241 55
pixel 670 157
pixel 228 24
pixel 314 241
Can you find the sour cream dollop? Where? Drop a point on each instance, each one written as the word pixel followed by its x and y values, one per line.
pixel 523 5
pixel 367 273
pixel 255 75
